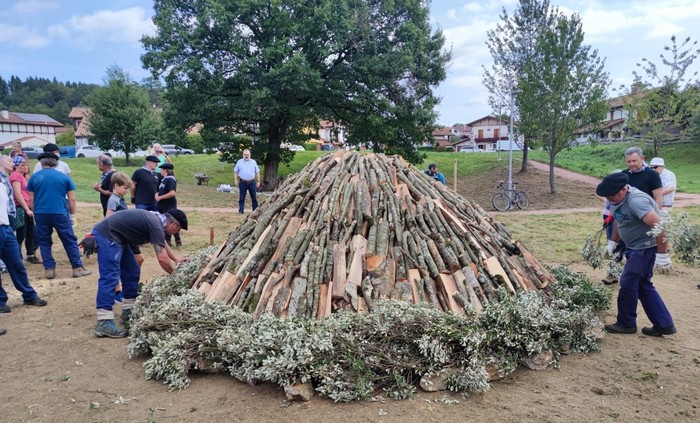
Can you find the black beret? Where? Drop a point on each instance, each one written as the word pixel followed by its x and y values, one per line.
pixel 50 147
pixel 167 166
pixel 152 159
pixel 47 156
pixel 612 184
pixel 180 216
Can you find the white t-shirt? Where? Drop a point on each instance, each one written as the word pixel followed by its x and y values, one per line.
pixel 61 167
pixel 668 179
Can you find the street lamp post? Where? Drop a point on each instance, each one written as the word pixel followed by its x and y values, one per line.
pixel 510 142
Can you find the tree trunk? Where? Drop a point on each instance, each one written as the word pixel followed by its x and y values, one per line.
pixel 552 155
pixel 271 178
pixel 523 167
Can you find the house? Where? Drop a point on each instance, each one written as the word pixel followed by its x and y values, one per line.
pixel 614 126
pixel 28 128
pixel 80 117
pixel 447 136
pixel 489 132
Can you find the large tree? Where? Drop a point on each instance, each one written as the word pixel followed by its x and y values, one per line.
pixel 566 85
pixel 272 68
pixel 512 45
pixel 121 116
pixel 664 105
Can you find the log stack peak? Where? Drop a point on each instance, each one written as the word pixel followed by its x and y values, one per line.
pixel 351 229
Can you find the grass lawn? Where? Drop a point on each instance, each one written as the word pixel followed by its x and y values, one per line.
pixel 681 159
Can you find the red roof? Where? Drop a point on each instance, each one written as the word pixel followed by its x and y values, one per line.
pixel 78 112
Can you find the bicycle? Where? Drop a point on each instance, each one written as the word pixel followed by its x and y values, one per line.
pixel 506 198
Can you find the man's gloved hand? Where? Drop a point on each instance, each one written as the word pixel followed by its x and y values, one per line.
pixel 89 245
pixel 73 222
pixel 610 249
pixel 663 262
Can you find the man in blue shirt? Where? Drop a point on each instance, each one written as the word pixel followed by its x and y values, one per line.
pixel 47 191
pixel 247 175
pixel 433 173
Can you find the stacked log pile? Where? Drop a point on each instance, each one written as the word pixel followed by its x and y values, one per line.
pixel 351 229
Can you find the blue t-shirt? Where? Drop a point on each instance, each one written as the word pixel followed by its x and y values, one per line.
pixel 50 188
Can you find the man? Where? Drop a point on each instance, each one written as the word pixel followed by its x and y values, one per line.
pixel 648 181
pixel 145 185
pixel 635 213
pixel 9 249
pixel 642 176
pixel 48 190
pixel 433 173
pixel 104 187
pixel 61 166
pixel 668 182
pixel 115 259
pixel 247 175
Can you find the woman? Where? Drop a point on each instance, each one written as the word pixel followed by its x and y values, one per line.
pixel 17 151
pixel 162 156
pixel 24 233
pixel 165 197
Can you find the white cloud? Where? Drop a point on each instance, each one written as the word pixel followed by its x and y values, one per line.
pixel 112 26
pixel 33 6
pixel 22 36
pixel 664 30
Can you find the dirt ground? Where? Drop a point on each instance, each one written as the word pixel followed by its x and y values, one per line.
pixel 54 370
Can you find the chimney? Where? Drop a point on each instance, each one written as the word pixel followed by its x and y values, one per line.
pixel 5 113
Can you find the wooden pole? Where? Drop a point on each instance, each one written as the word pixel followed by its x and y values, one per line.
pixel 454 179
pixel 211 235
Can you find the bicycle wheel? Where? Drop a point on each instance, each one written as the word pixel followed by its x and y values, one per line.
pixel 522 202
pixel 500 202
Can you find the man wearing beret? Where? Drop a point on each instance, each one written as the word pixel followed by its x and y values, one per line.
pixel 145 185
pixel 635 214
pixel 48 191
pixel 61 166
pixel 115 260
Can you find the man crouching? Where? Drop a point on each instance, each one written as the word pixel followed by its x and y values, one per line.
pixel 113 236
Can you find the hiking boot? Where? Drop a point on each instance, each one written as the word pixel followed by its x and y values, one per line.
pixel 38 302
pixel 4 308
pixel 80 271
pixel 107 328
pixel 125 318
pixel 32 260
pixel 50 273
pixel 657 331
pixel 609 279
pixel 615 328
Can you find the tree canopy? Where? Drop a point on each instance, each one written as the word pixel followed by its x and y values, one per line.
pixel 121 116
pixel 663 109
pixel 273 69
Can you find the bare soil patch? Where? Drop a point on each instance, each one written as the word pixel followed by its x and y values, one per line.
pixel 54 370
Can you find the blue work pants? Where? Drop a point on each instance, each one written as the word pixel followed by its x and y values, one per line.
pixel 10 254
pixel 115 261
pixel 45 223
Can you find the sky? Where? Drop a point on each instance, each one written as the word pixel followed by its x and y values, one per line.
pixel 77 40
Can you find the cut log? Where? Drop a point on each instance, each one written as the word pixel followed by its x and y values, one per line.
pixel 339 271
pixel 359 244
pixel 496 270
pixel 414 279
pixel 448 288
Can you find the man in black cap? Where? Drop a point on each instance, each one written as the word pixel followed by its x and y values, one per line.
pixel 635 213
pixel 145 185
pixel 113 237
pixel 61 166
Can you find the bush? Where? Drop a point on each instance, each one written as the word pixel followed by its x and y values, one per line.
pixel 310 146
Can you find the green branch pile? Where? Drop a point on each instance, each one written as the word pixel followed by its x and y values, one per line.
pixel 682 235
pixel 353 356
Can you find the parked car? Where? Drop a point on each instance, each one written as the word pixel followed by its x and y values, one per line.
pixel 295 148
pixel 32 152
pixel 171 149
pixel 67 152
pixel 327 147
pixel 89 151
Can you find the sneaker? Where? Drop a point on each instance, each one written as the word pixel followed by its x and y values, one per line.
pixel 615 328
pixel 107 328
pixel 4 308
pixel 50 273
pixel 125 318
pixel 657 331
pixel 32 260
pixel 118 297
pixel 609 280
pixel 36 302
pixel 80 271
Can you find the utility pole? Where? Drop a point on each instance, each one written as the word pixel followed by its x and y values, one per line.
pixel 510 142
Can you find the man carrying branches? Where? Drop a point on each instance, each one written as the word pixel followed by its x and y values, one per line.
pixel 635 214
